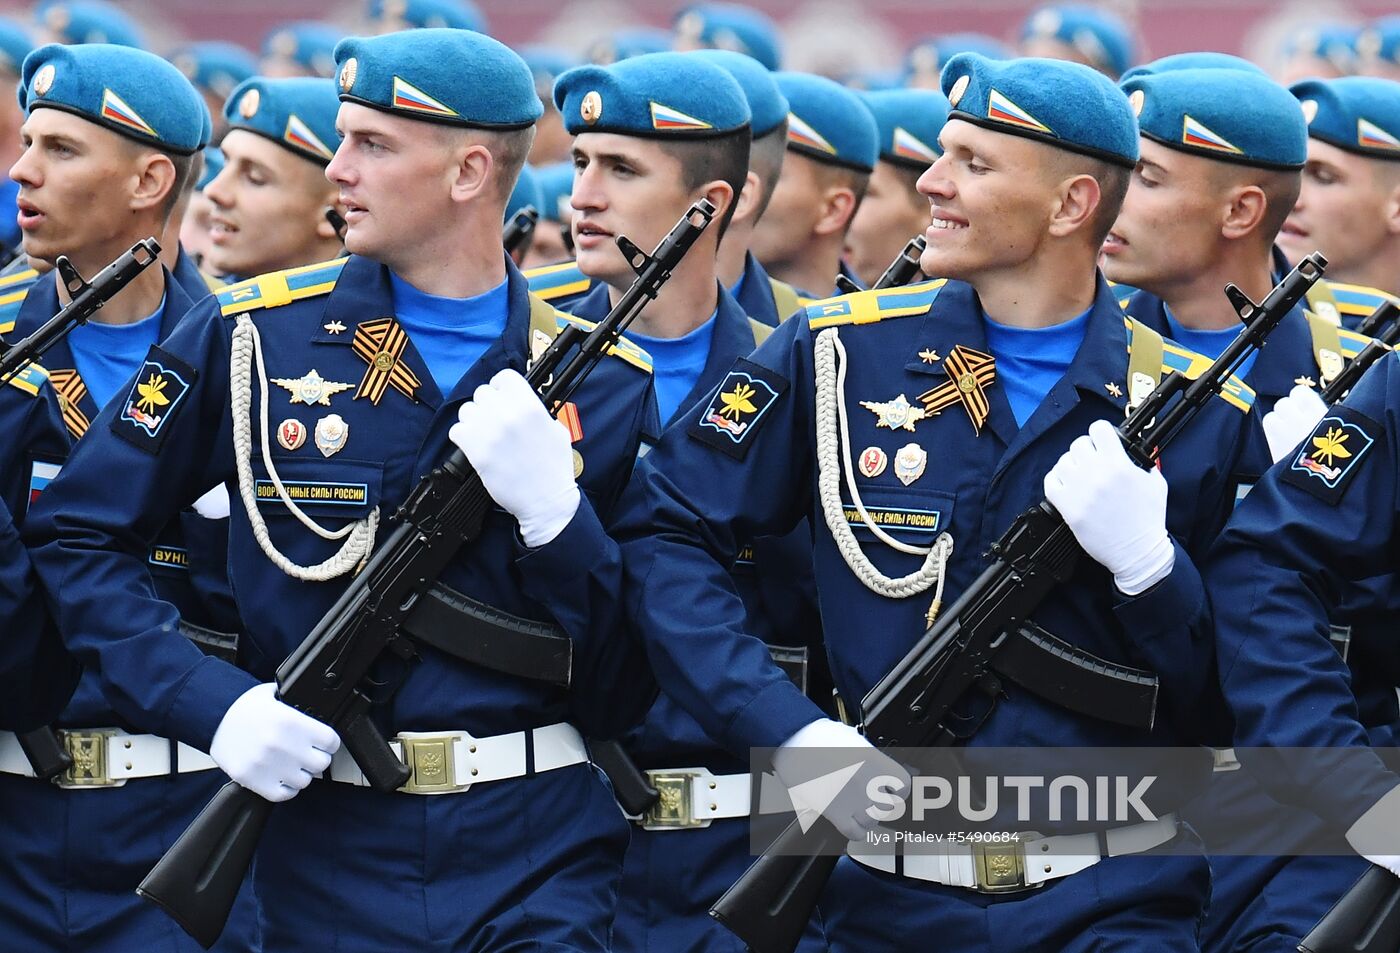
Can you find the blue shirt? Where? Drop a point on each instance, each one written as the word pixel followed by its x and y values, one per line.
pixel 1211 343
pixel 1031 360
pixel 106 355
pixel 450 334
pixel 677 364
pixel 10 234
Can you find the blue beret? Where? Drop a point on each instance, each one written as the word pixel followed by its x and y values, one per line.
pixel 828 122
pixel 214 162
pixel 659 95
pixel 297 113
pixel 417 14
pixel 547 63
pixel 909 121
pixel 88 21
pixel 1099 36
pixel 767 104
pixel 926 58
pixel 308 43
pixel 448 76
pixel 728 26
pixel 556 184
pixel 1381 39
pixel 870 80
pixel 215 66
pixel 1198 60
pixel 1358 113
pixel 625 44
pixel 1065 104
pixel 127 90
pixel 526 192
pixel 1333 42
pixel 15 44
pixel 1228 114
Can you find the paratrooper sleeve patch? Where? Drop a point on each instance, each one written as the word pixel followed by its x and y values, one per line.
pixel 733 414
pixel 1330 458
pixel 157 394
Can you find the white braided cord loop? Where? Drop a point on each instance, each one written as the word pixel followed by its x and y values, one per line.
pixel 359 536
pixel 834 460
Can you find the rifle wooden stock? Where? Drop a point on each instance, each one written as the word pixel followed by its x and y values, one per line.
pixel 197 880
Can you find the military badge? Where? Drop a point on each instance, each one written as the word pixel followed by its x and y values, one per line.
pixel 41 474
pixel 737 408
pixel 910 462
pixel 310 388
pixel 248 104
pixel 970 373
pixel 897 414
pixel 1328 460
pixel 872 462
pixel 291 434
pixel 590 109
pixel 334 327
pixel 380 344
pixel 43 80
pixel 347 71
pixel 68 385
pixel 157 394
pixel 331 434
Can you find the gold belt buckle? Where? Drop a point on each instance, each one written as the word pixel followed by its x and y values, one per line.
pixel 672 810
pixel 1000 868
pixel 433 764
pixel 88 749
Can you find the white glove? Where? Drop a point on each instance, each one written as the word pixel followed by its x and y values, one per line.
pixel 214 504
pixel 1292 419
pixel 269 747
pixel 1378 829
pixel 522 454
pixel 852 810
pixel 1116 509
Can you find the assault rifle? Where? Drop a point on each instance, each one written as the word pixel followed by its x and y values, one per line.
pixel 1383 328
pixel 86 299
pixel 904 270
pixel 520 230
pixel 1365 920
pixel 987 636
pixel 197 879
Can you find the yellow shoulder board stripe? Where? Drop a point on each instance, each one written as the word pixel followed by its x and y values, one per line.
pixel 557 281
pixel 30 379
pixel 623 350
pixel 1236 392
pixel 280 287
pixel 12 295
pixel 18 278
pixel 1352 343
pixel 868 307
pixel 1358 300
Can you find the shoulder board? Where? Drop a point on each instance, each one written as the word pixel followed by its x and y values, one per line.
pixel 30 379
pixel 868 307
pixel 1236 392
pixel 1352 343
pixel 624 349
pixel 13 290
pixel 553 282
pixel 277 288
pixel 1358 300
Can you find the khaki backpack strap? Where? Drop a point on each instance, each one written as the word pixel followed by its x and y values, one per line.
pixel 760 331
pixel 784 299
pixel 1145 359
pixel 1326 346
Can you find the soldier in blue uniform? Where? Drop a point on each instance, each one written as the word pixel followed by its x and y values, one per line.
pixel 1349 206
pixel 893 211
pixel 1314 526
pixel 15 44
pixel 1221 166
pixel 194 227
pixel 87 21
pixel 763 297
pixel 1080 34
pixel 1378 47
pixel 652 135
pixel 548 63
pixel 320 396
pixel 729 26
pixel 268 204
pixel 389 16
pixel 923 64
pixel 833 145
pixel 93 111
pixel 549 246
pixel 301 48
pixel 215 68
pixel 853 409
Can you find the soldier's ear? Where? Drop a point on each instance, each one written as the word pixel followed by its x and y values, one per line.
pixel 1247 207
pixel 749 198
pixel 154 178
pixel 721 195
pixel 473 172
pixel 1390 207
pixel 1079 198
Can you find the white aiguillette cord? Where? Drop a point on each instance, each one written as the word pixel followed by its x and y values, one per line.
pixel 358 536
pixel 833 438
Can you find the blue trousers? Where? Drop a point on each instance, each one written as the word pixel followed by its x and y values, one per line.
pixel 670 880
pixel 72 860
pixel 529 864
pixel 1120 905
